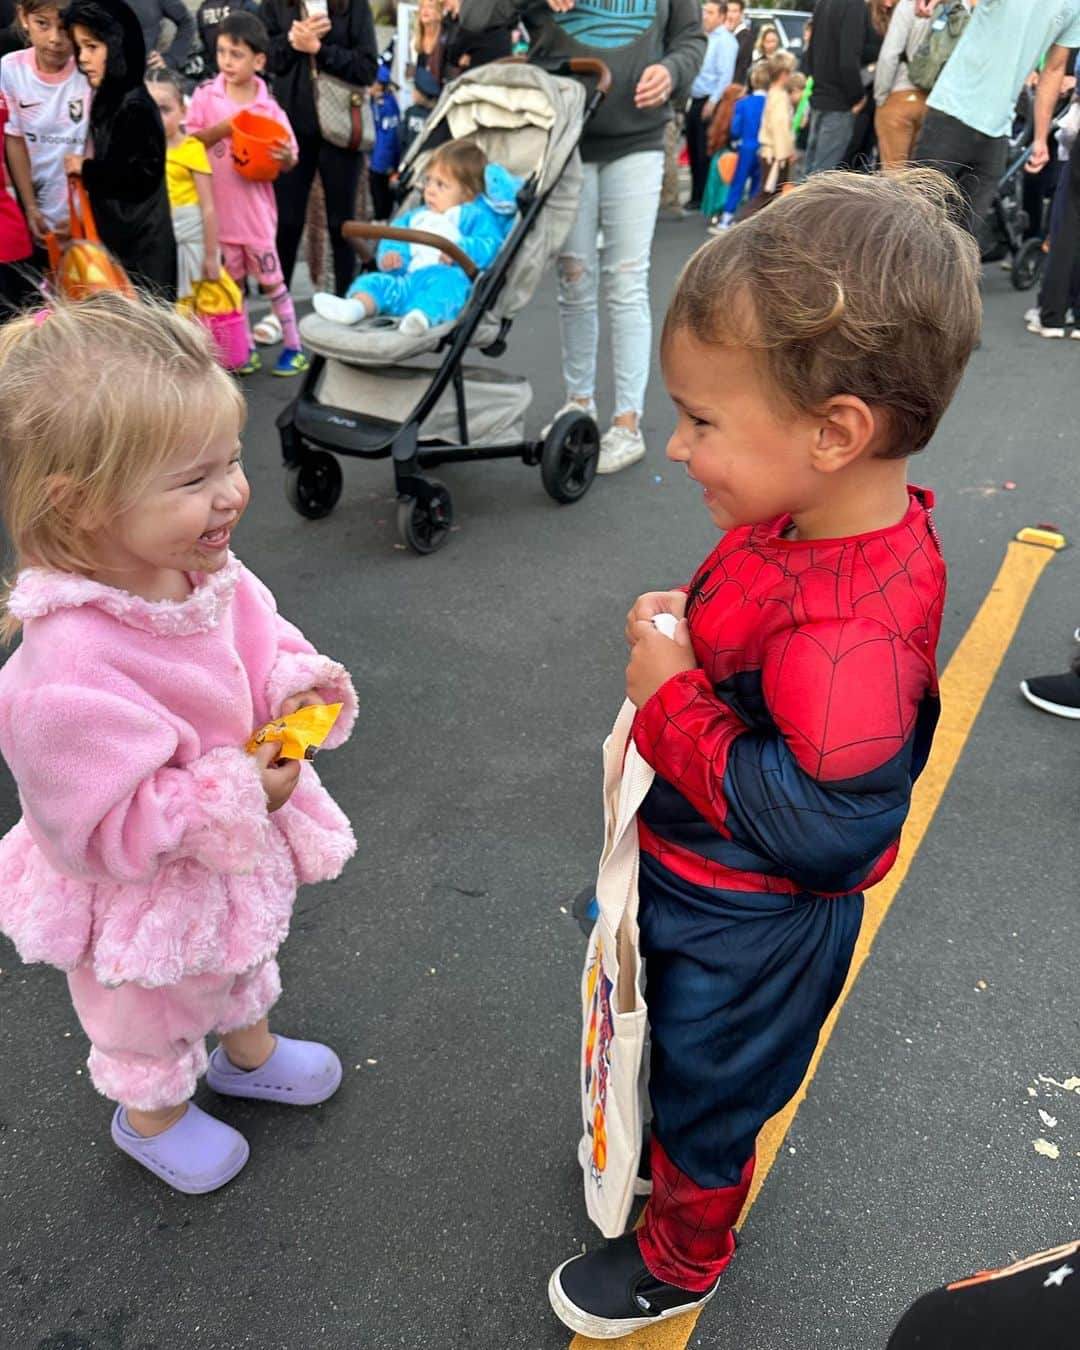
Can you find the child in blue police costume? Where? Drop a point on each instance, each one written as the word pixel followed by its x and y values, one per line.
pixel 386 152
pixel 745 136
pixel 467 201
pixel 808 353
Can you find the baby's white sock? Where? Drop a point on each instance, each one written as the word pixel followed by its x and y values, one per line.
pixel 416 321
pixel 337 310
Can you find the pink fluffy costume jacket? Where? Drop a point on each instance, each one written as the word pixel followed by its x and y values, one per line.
pixel 145 846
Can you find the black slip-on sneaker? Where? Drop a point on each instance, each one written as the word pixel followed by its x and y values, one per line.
pixel 611 1292
pixel 1057 694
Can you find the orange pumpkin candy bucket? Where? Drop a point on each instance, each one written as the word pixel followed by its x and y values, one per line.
pixel 253 138
pixel 82 266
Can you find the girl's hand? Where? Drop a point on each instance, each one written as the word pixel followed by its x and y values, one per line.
pixel 38 226
pixel 647 606
pixel 279 776
pixel 390 262
pixel 654 88
pixel 654 659
pixel 310 698
pixel 73 163
pixel 211 267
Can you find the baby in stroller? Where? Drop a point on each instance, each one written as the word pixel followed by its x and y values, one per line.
pixel 467 201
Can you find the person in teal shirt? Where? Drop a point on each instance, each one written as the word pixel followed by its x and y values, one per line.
pixel 969 111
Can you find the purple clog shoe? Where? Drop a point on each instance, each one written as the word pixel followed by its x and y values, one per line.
pixel 298 1072
pixel 196 1155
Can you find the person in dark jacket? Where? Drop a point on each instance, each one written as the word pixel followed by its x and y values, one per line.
pixel 738 25
pixel 341 44
pixel 841 43
pixel 150 14
pixel 125 176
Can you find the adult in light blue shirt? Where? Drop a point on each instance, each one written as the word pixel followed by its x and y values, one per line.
pixel 717 72
pixel 969 112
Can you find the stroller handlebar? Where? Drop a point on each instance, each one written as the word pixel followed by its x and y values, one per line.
pixel 576 65
pixel 361 229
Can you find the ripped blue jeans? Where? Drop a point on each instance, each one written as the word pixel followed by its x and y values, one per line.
pixel 619 199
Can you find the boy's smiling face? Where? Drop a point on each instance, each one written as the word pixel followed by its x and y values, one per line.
pixel 751 455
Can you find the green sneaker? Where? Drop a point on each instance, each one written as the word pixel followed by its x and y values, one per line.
pixel 251 365
pixel 292 361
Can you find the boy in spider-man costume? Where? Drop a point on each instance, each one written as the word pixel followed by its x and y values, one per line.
pixel 808 352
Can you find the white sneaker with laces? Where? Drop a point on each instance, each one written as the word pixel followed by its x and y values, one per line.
pixel 619 448
pixel 571 405
pixel 1035 325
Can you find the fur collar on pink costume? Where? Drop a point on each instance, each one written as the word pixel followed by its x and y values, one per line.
pixel 39 591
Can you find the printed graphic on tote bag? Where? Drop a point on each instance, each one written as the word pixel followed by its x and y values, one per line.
pixel 598 1062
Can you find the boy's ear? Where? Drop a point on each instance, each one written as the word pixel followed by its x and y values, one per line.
pixel 847 429
pixel 260 62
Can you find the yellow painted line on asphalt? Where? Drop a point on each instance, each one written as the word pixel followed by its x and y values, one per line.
pixel 964 686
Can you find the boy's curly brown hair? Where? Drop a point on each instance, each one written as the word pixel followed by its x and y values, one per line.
pixel 863 284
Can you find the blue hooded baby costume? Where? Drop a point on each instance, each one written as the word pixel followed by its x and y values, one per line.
pixel 440 291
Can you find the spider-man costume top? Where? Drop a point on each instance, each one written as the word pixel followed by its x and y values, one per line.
pixel 784 767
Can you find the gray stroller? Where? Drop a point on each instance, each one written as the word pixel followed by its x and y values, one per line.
pixel 376 392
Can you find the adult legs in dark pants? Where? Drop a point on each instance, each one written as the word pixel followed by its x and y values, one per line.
pixel 340 174
pixel 1062 273
pixel 697 131
pixel 973 160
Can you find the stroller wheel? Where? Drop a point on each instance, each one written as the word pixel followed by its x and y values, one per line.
pixel 1027 264
pixel 425 525
pixel 568 459
pixel 314 485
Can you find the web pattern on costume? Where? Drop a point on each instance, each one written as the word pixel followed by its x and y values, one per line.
pixel 830 647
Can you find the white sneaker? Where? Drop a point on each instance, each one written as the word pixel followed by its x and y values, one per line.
pixel 1035 325
pixel 571 405
pixel 619 448
pixel 337 310
pixel 416 321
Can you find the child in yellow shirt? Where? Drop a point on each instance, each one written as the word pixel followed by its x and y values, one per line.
pixel 187 178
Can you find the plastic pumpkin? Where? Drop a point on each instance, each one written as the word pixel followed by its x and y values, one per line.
pixel 726 165
pixel 82 266
pixel 253 138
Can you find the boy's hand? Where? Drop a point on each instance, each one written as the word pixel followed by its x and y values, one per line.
pixel 310 698
pixel 284 156
pixel 654 659
pixel 279 776
pixel 390 262
pixel 647 606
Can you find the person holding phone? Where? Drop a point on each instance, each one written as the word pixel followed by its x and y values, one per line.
pixel 336 37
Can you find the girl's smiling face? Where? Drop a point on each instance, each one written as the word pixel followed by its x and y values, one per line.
pixel 92 52
pixel 182 520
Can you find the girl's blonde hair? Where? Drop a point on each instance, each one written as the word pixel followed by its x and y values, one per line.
pixel 95 395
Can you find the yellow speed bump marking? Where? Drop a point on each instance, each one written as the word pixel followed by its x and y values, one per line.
pixel 964 686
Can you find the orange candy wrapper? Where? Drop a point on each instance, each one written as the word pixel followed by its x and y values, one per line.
pixel 300 734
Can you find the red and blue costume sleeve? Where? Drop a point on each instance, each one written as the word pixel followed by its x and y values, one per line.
pixel 816 787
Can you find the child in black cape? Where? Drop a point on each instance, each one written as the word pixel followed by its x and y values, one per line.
pixel 125 176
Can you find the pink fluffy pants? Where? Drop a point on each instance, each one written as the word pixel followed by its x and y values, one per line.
pixel 148 1046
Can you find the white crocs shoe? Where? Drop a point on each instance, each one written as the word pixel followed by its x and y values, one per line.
pixel 337 310
pixel 619 448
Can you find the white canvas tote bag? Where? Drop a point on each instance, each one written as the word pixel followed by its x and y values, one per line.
pixel 612 1000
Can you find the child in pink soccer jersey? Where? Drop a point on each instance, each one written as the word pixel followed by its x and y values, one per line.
pixel 247 211
pixel 156 862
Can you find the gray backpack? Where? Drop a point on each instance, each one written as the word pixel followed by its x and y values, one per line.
pixel 947 24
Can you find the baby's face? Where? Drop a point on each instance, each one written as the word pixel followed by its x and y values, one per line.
pixel 442 190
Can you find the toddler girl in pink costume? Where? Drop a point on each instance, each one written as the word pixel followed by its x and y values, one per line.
pixel 156 861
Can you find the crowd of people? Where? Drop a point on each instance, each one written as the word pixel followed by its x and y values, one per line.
pixel 163 887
